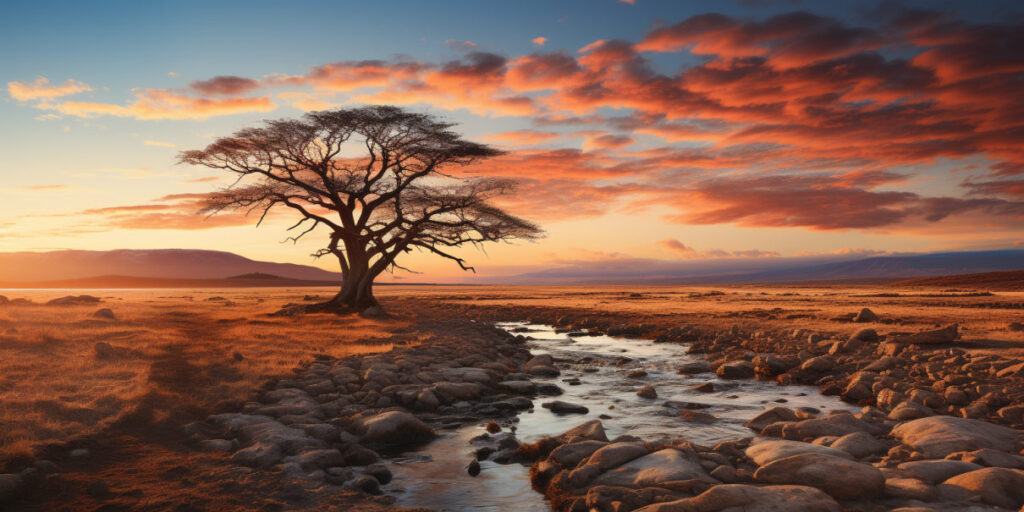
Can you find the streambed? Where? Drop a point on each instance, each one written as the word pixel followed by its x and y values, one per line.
pixel 435 475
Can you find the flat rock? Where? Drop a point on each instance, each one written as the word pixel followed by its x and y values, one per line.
pixel 938 436
pixel 560 407
pixel 947 334
pixel 936 471
pixel 662 466
pixel 751 498
pixel 1000 487
pixel 769 416
pixel 764 451
pixel 860 444
pixel 569 455
pixel 841 478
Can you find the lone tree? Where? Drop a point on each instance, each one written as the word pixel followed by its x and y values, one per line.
pixel 376 178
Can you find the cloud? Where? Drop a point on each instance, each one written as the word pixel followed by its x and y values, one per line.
pixel 42 89
pixel 225 85
pixel 176 211
pixel 539 41
pixel 687 252
pixel 153 104
pixel 159 144
pixel 460 45
pixel 677 247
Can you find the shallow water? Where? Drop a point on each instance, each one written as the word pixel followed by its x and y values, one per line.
pixel 436 477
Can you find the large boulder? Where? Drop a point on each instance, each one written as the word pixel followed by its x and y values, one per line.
pixel 751 498
pixel 841 478
pixel 947 334
pixel 860 444
pixel 764 451
pixel 865 315
pixel 569 455
pixel 395 428
pixel 662 466
pixel 832 425
pixel 739 369
pixel 1000 487
pixel 935 471
pixel 938 436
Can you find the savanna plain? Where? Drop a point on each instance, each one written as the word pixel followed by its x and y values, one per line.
pixel 110 399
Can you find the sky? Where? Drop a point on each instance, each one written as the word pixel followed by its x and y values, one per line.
pixel 645 129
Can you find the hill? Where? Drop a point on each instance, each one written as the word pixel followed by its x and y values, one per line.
pixel 1009 281
pixel 243 281
pixel 146 263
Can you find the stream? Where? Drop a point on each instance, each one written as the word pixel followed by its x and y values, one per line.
pixel 434 476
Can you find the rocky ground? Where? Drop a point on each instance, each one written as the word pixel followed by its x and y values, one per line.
pixel 939 427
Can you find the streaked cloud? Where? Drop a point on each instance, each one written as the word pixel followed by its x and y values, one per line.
pixel 42 89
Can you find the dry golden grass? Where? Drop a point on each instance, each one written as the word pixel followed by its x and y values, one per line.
pixel 175 354
pixel 176 346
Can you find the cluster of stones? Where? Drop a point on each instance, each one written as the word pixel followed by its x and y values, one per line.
pixel 329 424
pixel 841 461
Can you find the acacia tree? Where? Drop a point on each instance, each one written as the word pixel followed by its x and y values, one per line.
pixel 376 178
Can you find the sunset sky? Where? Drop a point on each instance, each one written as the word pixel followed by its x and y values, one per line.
pixel 665 130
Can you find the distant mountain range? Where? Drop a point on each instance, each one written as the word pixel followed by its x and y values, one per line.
pixel 201 268
pixel 148 263
pixel 777 270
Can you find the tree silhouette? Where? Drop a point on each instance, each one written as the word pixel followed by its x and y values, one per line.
pixel 375 177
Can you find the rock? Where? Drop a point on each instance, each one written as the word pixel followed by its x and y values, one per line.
pixel 395 428
pixel 751 498
pixel 260 455
pixel 10 486
pixel 615 455
pixel 519 387
pixel 217 445
pixel 841 478
pixel 935 471
pixel 865 336
pixel 765 451
pixel 104 314
pixel 990 458
pixel 820 364
pixel 769 416
pixel 549 389
pixel 860 445
pixel 473 469
pixel 592 430
pixel 770 365
pixel 103 350
pixel 317 459
pixel 662 466
pixel 833 425
pixel 865 315
pixel 707 387
pixel 736 370
pixel 697 416
pixel 909 488
pixel 938 436
pixel 570 455
pixel 694 368
pixel 74 300
pixel 457 391
pixel 1000 487
pixel 560 407
pixel 947 334
pixel 541 366
pixel 908 410
pixel 367 484
pixel 883 364
pixel 466 374
pixel 380 472
pixel 647 392
pixel 1016 370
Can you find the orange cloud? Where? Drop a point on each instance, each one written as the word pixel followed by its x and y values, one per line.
pixel 151 104
pixel 42 89
pixel 539 41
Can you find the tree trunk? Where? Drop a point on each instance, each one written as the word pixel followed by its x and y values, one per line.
pixel 356 292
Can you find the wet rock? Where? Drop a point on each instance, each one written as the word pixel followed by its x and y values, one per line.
pixel 769 416
pixel 541 366
pixel 885 363
pixel 380 472
pixel 935 471
pixel 519 387
pixel 947 334
pixel 765 451
pixel 665 465
pixel 395 428
pixel 697 417
pixel 751 498
pixel 865 315
pixel 647 392
pixel 770 365
pixel 367 484
pixel 990 458
pixel 549 389
pixel 999 487
pixel 560 407
pixel 570 455
pixel 473 469
pixel 104 314
pixel 833 425
pixel 694 368
pixel 463 374
pixel 736 370
pixel 839 477
pixel 616 454
pixel 938 436
pixel 637 374
pixel 707 387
